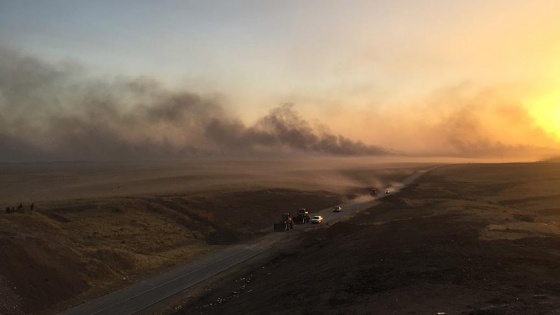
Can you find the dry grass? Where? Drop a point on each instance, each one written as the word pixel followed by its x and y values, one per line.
pixel 466 239
pixel 98 227
pixel 523 200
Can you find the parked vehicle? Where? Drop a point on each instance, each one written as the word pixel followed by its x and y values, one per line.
pixel 302 216
pixel 317 219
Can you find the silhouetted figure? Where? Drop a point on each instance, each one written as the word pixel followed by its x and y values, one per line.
pixel 8 210
pixel 20 207
pixel 31 207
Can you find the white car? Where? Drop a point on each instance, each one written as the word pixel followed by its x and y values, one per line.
pixel 317 219
pixel 337 209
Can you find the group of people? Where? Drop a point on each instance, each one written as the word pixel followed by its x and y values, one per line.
pixel 19 208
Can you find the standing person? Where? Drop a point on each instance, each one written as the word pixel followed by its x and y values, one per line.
pixel 8 210
pixel 31 207
pixel 20 207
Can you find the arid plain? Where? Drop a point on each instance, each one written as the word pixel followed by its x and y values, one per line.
pixel 97 227
pixel 465 239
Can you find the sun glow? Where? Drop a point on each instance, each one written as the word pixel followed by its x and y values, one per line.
pixel 547 114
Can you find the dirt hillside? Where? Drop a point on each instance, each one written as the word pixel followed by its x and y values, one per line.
pixel 469 239
pixel 64 253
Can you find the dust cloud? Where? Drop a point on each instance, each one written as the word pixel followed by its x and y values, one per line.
pixel 57 112
pixel 44 181
pixel 465 121
pixel 487 124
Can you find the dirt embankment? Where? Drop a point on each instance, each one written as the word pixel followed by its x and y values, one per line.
pixel 63 254
pixel 471 239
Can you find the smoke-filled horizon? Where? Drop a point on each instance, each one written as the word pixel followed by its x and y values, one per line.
pixel 56 113
pixel 117 80
pixel 114 80
pixel 59 112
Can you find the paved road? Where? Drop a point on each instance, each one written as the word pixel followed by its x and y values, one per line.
pixel 142 295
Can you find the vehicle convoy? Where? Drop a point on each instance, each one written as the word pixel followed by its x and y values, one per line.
pixel 286 224
pixel 302 216
pixel 317 219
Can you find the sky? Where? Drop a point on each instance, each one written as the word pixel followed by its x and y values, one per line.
pixel 119 79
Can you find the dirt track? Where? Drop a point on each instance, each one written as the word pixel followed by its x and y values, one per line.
pixel 68 251
pixel 480 239
pixel 472 239
pixel 73 253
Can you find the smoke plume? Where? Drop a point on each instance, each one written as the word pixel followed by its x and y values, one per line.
pixel 56 112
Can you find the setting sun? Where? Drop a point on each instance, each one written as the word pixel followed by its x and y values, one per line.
pixel 547 114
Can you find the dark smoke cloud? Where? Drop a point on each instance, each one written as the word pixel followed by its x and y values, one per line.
pixel 283 129
pixel 52 112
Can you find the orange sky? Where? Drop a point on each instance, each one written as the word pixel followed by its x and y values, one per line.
pixel 431 77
